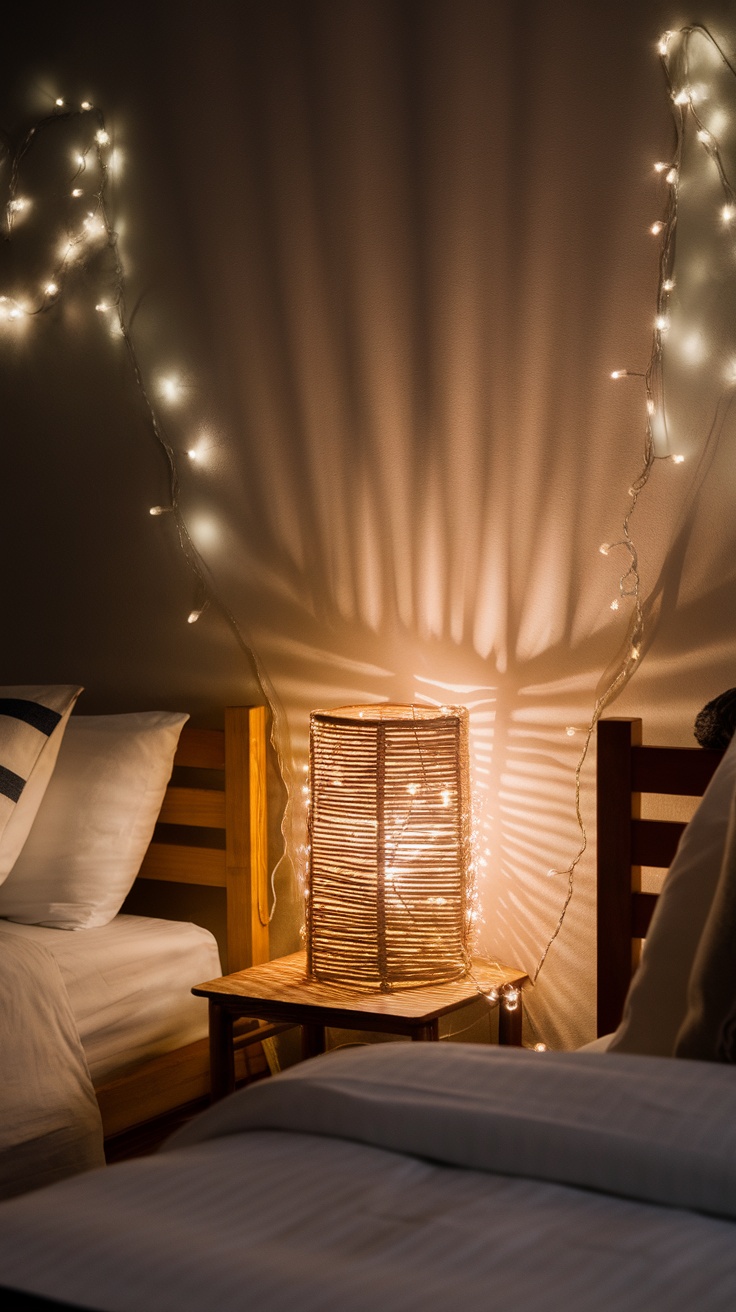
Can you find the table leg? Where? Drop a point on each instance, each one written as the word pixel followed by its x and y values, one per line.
pixel 428 1033
pixel 510 1024
pixel 222 1056
pixel 313 1040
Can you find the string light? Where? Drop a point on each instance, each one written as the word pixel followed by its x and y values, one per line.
pixel 81 244
pixel 684 100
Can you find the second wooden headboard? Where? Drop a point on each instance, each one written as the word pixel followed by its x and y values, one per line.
pixel 626 842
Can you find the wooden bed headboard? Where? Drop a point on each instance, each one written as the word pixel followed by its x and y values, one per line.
pixel 212 832
pixel 626 842
pixel 236 811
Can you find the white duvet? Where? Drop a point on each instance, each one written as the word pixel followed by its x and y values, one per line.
pixel 408 1177
pixel 50 1123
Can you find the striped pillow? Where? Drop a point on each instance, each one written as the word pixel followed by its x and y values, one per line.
pixel 32 724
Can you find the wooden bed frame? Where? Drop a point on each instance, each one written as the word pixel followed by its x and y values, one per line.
pixel 235 816
pixel 626 842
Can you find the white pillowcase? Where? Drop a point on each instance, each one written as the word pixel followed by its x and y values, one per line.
pixel 32 725
pixel 95 821
pixel 657 1002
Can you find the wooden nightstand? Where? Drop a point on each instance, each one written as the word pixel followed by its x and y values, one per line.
pixel 280 991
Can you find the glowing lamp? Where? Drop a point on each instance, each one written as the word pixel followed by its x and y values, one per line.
pixel 389 855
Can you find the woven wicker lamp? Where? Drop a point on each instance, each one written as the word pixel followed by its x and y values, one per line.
pixel 389 861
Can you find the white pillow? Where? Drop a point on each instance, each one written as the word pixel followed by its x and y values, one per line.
pixel 95 822
pixel 656 1003
pixel 32 724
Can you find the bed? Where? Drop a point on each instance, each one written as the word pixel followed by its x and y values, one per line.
pixel 104 1028
pixel 408 1176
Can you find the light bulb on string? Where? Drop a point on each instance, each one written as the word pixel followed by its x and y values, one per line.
pixel 170 389
pixel 656 228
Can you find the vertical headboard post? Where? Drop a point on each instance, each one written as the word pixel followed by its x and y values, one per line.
pixel 246 836
pixel 616 804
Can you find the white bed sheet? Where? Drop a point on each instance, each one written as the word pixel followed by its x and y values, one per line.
pixel 278 1219
pixel 129 985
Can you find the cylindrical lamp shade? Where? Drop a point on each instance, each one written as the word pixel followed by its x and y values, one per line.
pixel 390 852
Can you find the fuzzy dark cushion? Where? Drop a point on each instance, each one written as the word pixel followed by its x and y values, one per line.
pixel 715 724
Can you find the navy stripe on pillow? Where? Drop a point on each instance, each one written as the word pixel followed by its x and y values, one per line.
pixel 39 717
pixel 11 785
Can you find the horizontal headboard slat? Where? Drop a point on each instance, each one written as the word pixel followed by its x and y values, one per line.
pixel 674 771
pixel 654 842
pixel 185 865
pixel 201 807
pixel 201 748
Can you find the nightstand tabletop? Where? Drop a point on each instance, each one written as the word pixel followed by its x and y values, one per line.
pixel 282 986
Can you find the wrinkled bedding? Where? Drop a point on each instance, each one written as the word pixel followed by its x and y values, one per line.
pixel 129 985
pixel 50 1123
pixel 412 1176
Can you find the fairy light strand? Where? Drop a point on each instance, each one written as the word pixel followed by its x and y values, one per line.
pixel 79 247
pixel 683 102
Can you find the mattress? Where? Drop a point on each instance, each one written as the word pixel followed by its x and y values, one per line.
pixel 129 985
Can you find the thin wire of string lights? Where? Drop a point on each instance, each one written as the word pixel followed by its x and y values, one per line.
pixel 673 48
pixel 93 231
